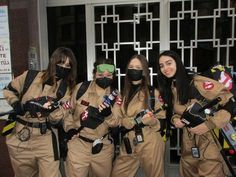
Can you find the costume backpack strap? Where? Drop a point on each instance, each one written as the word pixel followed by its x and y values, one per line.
pixel 62 141
pixel 61 91
pixel 152 97
pixel 31 74
pixel 83 88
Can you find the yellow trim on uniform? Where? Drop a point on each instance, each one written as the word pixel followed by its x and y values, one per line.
pixel 9 126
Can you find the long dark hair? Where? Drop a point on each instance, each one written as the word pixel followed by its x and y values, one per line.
pixel 144 84
pixel 59 56
pixel 181 80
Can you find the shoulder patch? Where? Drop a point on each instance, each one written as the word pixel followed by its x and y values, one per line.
pixel 208 85
pixel 226 80
pixel 118 100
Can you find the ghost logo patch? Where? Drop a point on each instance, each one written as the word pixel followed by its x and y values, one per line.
pixel 208 85
pixel 84 115
pixel 118 101
pixel 226 80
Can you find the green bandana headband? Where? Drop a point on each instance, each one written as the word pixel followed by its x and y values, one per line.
pixel 105 67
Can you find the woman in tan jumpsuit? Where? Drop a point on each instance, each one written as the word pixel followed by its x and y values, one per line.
pixel 30 144
pixel 90 125
pixel 200 155
pixel 147 147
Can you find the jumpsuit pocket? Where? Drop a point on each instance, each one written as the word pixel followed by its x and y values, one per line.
pixel 186 146
pixel 211 151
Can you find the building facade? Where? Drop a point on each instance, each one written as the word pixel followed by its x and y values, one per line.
pixel 201 31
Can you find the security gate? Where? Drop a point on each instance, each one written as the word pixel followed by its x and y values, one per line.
pixel 201 31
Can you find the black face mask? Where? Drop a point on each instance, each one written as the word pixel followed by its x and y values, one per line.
pixel 134 74
pixel 62 72
pixel 103 82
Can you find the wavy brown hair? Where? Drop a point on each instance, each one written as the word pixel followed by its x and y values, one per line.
pixel 59 56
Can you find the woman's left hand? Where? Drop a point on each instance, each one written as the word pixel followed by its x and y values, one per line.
pixel 200 129
pixel 149 119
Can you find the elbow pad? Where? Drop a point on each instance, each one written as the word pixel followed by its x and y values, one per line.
pixel 230 106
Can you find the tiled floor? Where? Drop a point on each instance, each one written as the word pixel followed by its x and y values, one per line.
pixel 170 172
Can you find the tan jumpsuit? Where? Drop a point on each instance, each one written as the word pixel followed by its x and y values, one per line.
pixel 80 160
pixel 34 157
pixel 210 163
pixel 149 155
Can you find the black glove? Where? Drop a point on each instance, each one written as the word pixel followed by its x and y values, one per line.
pixel 192 117
pixel 71 133
pixel 35 106
pixel 17 107
pixel 91 118
pixel 106 112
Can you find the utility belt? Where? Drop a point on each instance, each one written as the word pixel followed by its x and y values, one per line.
pixel 97 144
pixel 139 138
pixel 124 130
pixel 24 134
pixel 42 125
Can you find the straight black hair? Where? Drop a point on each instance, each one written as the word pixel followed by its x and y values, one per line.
pixel 181 80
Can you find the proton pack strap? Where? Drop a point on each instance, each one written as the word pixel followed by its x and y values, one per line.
pixel 31 74
pixel 80 128
pixel 61 89
pixel 194 93
pixel 230 106
pixel 54 144
pixel 83 88
pixel 62 138
pixel 10 88
pixel 152 97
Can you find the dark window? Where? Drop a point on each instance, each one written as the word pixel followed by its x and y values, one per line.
pixel 66 27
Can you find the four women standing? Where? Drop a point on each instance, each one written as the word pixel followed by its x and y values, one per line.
pixel 91 115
